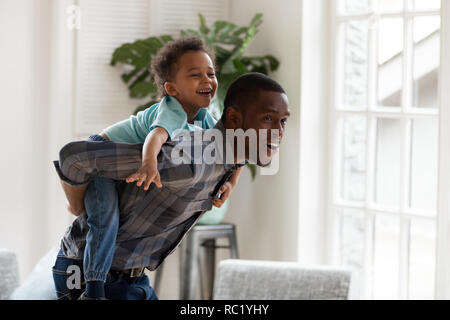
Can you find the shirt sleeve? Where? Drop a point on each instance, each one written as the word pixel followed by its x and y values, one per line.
pixel 208 121
pixel 170 118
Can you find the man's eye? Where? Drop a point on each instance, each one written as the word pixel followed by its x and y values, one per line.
pixel 211 74
pixel 284 121
pixel 195 75
pixel 268 118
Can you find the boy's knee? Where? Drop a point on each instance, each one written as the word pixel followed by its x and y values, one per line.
pixel 70 149
pixel 70 164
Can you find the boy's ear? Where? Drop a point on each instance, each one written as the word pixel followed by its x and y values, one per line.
pixel 170 88
pixel 234 117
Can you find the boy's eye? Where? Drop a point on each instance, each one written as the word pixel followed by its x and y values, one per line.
pixel 211 74
pixel 195 75
pixel 284 121
pixel 268 118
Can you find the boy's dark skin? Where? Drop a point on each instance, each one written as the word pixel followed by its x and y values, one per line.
pixel 268 110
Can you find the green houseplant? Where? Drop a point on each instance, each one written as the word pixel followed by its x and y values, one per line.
pixel 229 43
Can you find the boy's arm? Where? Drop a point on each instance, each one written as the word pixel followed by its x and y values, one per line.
pixel 148 173
pixel 227 188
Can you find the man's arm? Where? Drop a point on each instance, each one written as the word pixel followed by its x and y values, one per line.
pixel 227 188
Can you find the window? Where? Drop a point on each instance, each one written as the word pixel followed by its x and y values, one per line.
pixel 385 152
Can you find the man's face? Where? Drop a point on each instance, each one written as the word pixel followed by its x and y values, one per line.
pixel 195 80
pixel 269 111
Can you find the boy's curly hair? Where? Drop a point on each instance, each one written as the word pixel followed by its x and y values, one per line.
pixel 164 63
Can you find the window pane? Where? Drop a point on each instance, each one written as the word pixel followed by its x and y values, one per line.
pixel 390 64
pixel 352 245
pixel 387 164
pixel 386 257
pixel 422 259
pixel 355 64
pixel 354 6
pixel 427 4
pixel 424 164
pixel 426 57
pixel 389 5
pixel 353 174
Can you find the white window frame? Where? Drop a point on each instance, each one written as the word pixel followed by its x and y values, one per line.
pixel 442 283
pixel 442 290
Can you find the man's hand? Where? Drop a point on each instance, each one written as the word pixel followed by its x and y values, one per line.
pixel 225 192
pixel 227 188
pixel 148 173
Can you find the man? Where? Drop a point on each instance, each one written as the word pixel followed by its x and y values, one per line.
pixel 153 223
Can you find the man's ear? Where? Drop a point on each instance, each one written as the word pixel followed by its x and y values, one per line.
pixel 170 89
pixel 234 117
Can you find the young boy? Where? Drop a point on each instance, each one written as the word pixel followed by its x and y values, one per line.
pixel 185 75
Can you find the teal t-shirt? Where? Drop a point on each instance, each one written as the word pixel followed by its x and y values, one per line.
pixel 168 114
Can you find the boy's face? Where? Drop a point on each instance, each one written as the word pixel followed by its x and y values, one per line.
pixel 195 82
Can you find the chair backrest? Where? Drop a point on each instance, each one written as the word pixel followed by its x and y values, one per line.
pixel 270 280
pixel 9 274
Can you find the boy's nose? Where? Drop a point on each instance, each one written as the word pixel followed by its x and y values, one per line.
pixel 205 78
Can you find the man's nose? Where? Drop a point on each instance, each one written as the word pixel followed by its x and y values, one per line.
pixel 280 128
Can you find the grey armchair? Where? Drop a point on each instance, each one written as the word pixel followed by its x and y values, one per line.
pixel 9 275
pixel 270 280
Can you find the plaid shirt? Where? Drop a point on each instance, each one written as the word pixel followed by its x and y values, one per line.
pixel 154 222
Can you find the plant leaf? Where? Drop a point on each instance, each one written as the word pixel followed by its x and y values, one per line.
pixel 203 28
pixel 253 170
pixel 142 89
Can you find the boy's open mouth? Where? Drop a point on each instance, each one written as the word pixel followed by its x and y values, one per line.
pixel 205 92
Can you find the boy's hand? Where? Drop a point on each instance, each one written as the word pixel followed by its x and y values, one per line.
pixel 148 173
pixel 225 192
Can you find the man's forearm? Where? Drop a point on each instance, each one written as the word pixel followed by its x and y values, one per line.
pixel 235 176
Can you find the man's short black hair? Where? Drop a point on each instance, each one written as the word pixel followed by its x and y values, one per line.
pixel 246 88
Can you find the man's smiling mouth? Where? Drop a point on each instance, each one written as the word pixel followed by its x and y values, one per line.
pixel 273 147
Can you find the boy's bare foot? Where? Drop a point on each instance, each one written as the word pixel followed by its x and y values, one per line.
pixel 75 212
pixel 75 196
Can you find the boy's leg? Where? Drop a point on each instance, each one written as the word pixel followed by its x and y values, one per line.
pixel 75 193
pixel 102 216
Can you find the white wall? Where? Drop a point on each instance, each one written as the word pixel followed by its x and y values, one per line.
pixel 313 180
pixel 24 83
pixel 267 228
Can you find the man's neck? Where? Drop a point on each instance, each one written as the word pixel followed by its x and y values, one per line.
pixel 232 143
